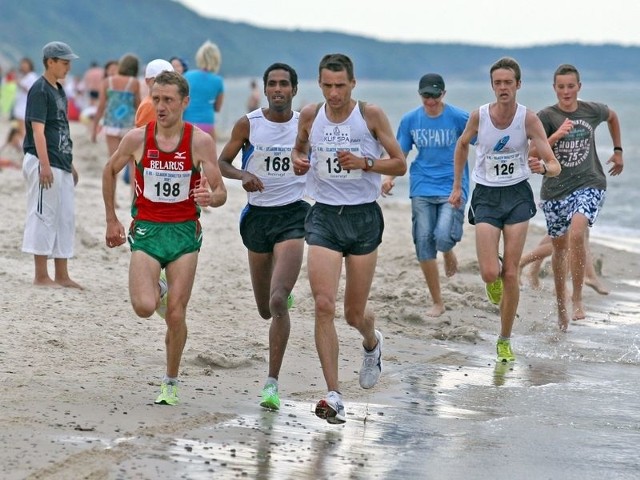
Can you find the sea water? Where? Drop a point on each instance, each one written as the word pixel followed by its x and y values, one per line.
pixel 619 220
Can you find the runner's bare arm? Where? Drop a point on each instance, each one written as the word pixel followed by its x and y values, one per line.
pixel 461 155
pixel 546 162
pixel 378 122
pixel 300 153
pixel 204 152
pixel 239 137
pixel 131 142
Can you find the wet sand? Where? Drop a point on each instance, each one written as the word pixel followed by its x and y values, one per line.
pixel 80 371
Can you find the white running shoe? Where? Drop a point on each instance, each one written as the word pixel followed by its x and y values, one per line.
pixel 371 364
pixel 331 408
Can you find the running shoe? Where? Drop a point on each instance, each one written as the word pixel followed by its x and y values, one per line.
pixel 331 409
pixel 371 364
pixel 168 394
pixel 495 289
pixel 164 294
pixel 499 373
pixel 270 398
pixel 290 300
pixel 503 348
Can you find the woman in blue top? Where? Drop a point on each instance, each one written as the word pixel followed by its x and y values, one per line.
pixel 206 88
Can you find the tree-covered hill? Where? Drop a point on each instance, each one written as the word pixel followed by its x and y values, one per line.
pixel 99 31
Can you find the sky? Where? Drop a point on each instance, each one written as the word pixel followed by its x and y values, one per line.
pixel 514 23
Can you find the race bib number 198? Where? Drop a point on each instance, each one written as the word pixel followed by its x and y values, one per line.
pixel 166 186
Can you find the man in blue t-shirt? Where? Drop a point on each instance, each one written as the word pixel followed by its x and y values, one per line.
pixel 433 130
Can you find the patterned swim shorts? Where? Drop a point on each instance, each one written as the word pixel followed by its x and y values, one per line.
pixel 558 213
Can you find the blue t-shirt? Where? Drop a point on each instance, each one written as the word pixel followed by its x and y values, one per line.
pixel 204 88
pixel 431 172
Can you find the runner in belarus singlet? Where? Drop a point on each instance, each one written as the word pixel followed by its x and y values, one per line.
pixel 165 217
pixel 164 181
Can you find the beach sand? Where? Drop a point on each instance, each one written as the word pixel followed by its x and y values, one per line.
pixel 80 371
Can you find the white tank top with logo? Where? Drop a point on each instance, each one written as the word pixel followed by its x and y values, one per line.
pixel 328 182
pixel 269 158
pixel 501 154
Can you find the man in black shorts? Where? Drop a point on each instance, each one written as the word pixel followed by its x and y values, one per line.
pixel 343 154
pixel 502 202
pixel 272 223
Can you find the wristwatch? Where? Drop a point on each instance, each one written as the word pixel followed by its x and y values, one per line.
pixel 368 163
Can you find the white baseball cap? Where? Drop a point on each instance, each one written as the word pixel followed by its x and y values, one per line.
pixel 157 66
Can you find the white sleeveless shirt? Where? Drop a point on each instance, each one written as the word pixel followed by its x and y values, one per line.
pixel 268 157
pixel 501 154
pixel 328 182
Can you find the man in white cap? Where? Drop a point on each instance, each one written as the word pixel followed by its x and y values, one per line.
pixel 47 167
pixel 146 112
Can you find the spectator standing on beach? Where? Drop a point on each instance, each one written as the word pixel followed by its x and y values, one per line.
pixel 272 223
pixel 341 143
pixel 110 69
pixel 207 89
pixel 433 129
pixel 165 232
pixel 502 202
pixel 26 78
pixel 179 65
pixel 49 172
pixel 572 200
pixel 117 105
pixel 255 96
pixel 118 101
pixel 91 83
pixel 146 111
pixel 8 91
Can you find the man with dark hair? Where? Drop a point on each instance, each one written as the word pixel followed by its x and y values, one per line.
pixel 341 143
pixel 272 223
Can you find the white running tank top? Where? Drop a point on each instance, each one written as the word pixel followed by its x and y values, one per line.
pixel 268 157
pixel 328 183
pixel 501 154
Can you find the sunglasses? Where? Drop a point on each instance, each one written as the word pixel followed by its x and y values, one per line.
pixel 431 95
